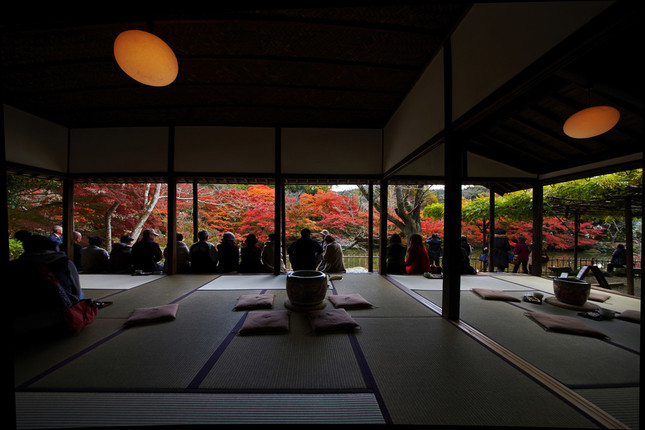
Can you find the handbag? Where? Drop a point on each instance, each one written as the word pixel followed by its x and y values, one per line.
pixel 80 314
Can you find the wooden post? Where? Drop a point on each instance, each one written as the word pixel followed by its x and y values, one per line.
pixel 195 210
pixel 538 208
pixel 491 229
pixel 383 228
pixel 629 247
pixel 576 233
pixel 453 164
pixel 278 203
pixel 170 264
pixel 370 228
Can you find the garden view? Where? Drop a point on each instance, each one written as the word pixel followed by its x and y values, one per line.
pixel 112 210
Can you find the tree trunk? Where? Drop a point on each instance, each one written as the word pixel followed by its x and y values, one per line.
pixel 108 225
pixel 148 206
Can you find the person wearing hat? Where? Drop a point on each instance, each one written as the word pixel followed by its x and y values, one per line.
pixel 121 255
pixel 146 254
pixel 250 256
pixel 228 254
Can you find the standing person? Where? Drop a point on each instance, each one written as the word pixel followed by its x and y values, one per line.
pixel 502 249
pixel 203 254
pixel 304 253
pixel 228 254
pixel 618 258
pixel 395 255
pixel 95 259
pixel 57 237
pixel 269 250
pixel 418 261
pixel 121 255
pixel 250 256
pixel 182 257
pixel 332 257
pixel 78 250
pixel 146 253
pixel 522 251
pixel 434 249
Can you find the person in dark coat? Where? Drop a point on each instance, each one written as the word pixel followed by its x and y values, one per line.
pixel 304 253
pixel 228 254
pixel 203 254
pixel 396 252
pixel 618 258
pixel 250 256
pixel 121 255
pixel 434 249
pixel 146 254
pixel 502 250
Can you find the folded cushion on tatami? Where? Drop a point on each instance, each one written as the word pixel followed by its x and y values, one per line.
pixel 152 314
pixel 254 301
pixel 265 322
pixel 564 324
pixel 597 297
pixel 630 315
pixel 330 320
pixel 494 295
pixel 348 301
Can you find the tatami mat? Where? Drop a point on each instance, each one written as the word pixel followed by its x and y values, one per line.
pixel 404 365
pixel 114 281
pixel 52 410
pixel 260 281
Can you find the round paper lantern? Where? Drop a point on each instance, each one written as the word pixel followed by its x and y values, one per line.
pixel 145 58
pixel 591 122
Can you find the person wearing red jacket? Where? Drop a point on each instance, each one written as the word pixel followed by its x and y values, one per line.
pixel 417 261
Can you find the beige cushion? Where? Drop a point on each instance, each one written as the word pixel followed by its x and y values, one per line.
pixel 254 301
pixel 494 295
pixel 152 314
pixel 330 320
pixel 265 322
pixel 564 324
pixel 349 301
pixel 597 297
pixel 630 315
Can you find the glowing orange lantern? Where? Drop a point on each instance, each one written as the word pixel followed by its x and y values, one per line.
pixel 591 122
pixel 145 58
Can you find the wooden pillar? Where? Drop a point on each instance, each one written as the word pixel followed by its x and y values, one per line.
pixel 629 247
pixel 370 228
pixel 452 201
pixel 68 217
pixel 170 264
pixel 491 229
pixel 383 228
pixel 576 234
pixel 195 210
pixel 538 217
pixel 278 203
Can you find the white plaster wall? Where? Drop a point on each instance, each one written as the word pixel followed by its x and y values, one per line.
pixel 418 119
pixel 496 41
pixel 225 149
pixel 119 150
pixel 331 151
pixel 33 141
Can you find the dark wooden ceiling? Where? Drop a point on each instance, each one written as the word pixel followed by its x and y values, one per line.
pixel 326 66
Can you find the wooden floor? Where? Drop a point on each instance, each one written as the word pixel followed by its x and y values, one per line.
pixel 405 364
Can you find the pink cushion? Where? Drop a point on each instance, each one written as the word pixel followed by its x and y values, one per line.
pixel 494 295
pixel 564 324
pixel 349 301
pixel 630 315
pixel 254 301
pixel 152 314
pixel 265 322
pixel 330 320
